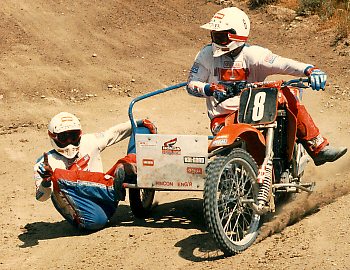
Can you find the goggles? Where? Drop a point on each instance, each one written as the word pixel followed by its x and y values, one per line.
pixel 66 138
pixel 220 37
pixel 225 37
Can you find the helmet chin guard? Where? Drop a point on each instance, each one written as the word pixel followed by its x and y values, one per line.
pixel 233 20
pixel 69 151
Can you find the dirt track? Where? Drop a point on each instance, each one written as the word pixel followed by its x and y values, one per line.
pixel 56 56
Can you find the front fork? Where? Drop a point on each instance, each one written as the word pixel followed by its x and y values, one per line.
pixel 265 178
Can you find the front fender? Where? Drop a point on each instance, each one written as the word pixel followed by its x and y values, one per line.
pixel 255 141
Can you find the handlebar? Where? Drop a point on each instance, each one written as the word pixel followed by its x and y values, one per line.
pixel 235 88
pixel 294 82
pixel 297 83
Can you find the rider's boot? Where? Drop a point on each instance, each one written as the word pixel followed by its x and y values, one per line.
pixel 321 152
pixel 316 145
pixel 329 154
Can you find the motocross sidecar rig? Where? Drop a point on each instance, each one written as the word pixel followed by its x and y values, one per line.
pixel 241 170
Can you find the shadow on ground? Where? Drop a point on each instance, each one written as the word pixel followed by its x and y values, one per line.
pixel 36 231
pixel 183 214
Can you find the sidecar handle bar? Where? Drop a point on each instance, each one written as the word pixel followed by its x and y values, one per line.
pixel 160 91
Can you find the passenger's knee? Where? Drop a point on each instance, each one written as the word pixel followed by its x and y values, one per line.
pixel 97 223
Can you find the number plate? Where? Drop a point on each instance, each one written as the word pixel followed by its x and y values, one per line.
pixel 258 106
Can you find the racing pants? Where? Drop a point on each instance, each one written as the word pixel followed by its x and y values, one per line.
pixel 307 131
pixel 87 200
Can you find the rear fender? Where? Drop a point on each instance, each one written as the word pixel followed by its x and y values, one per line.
pixel 255 141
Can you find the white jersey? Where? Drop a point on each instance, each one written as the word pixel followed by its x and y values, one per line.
pixel 91 145
pixel 252 64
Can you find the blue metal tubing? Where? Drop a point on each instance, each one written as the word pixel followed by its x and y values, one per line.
pixel 160 91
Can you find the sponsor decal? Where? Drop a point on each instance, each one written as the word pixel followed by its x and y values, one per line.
pixel 270 58
pixel 147 162
pixel 194 170
pixel 231 74
pixel 165 183
pixel 234 65
pixel 228 64
pixel 195 68
pixel 169 148
pixel 222 137
pixel 173 184
pixel 218 142
pixel 219 16
pixel 194 160
pixel 237 65
pixel 184 184
pixel 147 143
pixel 66 119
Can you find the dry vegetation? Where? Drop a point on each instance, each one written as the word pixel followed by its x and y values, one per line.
pixel 333 12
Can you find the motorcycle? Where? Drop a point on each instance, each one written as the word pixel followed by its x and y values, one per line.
pixel 254 160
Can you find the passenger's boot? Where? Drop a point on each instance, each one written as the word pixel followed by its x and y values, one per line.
pixel 119 178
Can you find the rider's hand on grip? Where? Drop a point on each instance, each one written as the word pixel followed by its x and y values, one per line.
pixel 218 91
pixel 220 96
pixel 217 87
pixel 147 124
pixel 317 78
pixel 45 171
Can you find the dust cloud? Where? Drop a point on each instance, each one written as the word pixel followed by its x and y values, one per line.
pixel 307 203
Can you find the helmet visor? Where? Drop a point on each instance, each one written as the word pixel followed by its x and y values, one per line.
pixel 220 37
pixel 66 138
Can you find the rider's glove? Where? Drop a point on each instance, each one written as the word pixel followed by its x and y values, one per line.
pixel 317 78
pixel 45 171
pixel 220 95
pixel 218 91
pixel 210 88
pixel 147 124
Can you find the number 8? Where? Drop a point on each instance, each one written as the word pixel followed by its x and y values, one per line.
pixel 258 109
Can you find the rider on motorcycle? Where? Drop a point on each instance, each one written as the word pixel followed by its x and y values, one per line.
pixel 229 58
pixel 84 195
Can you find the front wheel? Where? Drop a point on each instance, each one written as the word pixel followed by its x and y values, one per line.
pixel 141 201
pixel 229 186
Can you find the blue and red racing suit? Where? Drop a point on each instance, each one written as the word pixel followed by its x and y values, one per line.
pixel 80 191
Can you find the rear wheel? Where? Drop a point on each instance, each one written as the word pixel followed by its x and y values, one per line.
pixel 230 184
pixel 141 201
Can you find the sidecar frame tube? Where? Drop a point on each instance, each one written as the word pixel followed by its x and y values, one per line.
pixel 151 94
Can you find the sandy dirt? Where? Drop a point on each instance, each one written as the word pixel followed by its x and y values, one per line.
pixel 62 56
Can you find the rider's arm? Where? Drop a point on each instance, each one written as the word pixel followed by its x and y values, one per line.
pixel 264 63
pixel 113 135
pixel 42 190
pixel 197 84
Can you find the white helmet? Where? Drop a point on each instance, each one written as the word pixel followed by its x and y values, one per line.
pixel 65 132
pixel 229 30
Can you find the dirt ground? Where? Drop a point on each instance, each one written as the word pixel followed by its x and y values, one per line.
pixel 92 58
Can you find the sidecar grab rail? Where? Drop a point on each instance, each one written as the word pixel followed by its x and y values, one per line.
pixel 157 92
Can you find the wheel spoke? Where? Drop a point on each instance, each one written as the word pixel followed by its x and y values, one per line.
pixel 235 184
pixel 228 222
pixel 231 180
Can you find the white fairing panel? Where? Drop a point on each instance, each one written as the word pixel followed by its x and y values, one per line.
pixel 175 162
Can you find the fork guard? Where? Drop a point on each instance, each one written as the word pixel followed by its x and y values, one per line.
pixel 228 135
